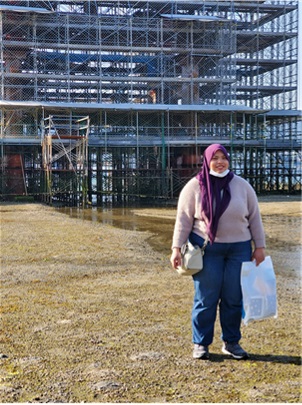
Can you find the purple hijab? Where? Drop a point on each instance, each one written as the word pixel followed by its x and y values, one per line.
pixel 211 190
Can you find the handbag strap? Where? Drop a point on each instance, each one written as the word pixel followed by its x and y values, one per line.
pixel 205 243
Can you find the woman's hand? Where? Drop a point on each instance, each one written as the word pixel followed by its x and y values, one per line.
pixel 175 258
pixel 258 255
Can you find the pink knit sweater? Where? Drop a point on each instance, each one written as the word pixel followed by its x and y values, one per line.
pixel 240 222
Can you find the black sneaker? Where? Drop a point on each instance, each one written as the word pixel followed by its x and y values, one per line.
pixel 201 352
pixel 235 350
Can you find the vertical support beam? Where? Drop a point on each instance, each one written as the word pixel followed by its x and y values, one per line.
pixel 2 59
pixel 163 141
pixel 163 162
pixel 231 138
pixel 196 133
pixel 244 140
pixel 138 182
pixel 168 136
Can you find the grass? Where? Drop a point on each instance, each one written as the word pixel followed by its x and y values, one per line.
pixel 90 313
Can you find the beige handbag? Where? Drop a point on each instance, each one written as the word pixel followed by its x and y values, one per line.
pixel 191 258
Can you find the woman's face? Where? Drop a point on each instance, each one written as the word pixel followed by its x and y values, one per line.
pixel 219 162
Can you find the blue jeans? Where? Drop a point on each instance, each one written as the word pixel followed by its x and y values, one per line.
pixel 219 284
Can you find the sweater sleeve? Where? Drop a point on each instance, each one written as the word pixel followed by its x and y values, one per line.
pixel 185 213
pixel 255 221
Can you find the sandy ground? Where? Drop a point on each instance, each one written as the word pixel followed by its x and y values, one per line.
pixel 91 313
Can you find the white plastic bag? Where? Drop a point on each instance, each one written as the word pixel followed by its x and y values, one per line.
pixel 258 285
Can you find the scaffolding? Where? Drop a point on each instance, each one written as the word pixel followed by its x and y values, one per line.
pixel 157 82
pixel 65 160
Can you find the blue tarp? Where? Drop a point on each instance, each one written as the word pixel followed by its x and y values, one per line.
pixel 21 9
pixel 151 62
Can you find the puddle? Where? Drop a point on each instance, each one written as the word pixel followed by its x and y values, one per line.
pixel 283 233
pixel 124 218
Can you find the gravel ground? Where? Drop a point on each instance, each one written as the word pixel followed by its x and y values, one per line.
pixel 92 313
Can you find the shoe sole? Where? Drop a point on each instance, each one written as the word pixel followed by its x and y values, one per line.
pixel 202 357
pixel 243 357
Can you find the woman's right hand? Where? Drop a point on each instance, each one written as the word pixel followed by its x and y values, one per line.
pixel 175 258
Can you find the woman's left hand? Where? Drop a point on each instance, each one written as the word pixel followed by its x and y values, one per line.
pixel 175 258
pixel 258 255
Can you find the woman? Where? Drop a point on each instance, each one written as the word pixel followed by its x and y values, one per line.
pixel 223 206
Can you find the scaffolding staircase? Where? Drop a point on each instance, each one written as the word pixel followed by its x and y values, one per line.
pixel 65 159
